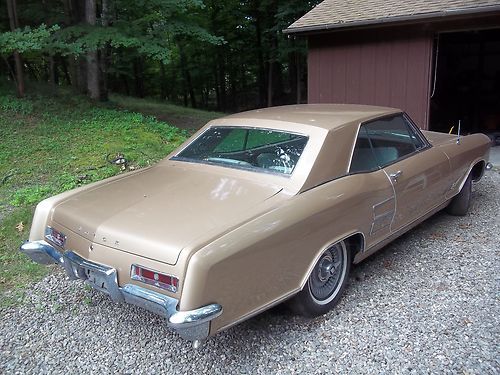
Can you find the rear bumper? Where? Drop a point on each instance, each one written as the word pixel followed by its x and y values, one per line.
pixel 193 325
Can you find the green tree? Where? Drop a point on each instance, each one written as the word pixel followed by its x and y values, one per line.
pixel 222 54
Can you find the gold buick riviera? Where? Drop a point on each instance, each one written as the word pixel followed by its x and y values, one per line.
pixel 255 209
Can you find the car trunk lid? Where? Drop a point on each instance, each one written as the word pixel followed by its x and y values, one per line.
pixel 158 212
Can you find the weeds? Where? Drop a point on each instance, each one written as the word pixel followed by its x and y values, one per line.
pixel 55 143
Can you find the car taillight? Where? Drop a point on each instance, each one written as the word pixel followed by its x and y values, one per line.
pixel 54 236
pixel 158 279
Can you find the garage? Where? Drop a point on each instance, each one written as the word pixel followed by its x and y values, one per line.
pixel 466 82
pixel 439 61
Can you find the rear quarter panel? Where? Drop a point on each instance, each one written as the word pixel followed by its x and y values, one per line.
pixel 269 259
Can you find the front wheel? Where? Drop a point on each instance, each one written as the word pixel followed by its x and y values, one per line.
pixel 459 205
pixel 326 283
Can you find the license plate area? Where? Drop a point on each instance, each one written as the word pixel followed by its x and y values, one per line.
pixel 97 279
pixel 99 276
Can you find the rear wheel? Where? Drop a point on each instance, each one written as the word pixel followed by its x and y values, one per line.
pixel 460 204
pixel 326 283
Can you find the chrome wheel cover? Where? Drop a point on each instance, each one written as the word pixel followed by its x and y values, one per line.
pixel 328 274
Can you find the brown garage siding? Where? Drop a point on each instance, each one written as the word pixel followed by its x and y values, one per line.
pixel 388 68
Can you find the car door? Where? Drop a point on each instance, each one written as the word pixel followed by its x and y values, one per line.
pixel 379 198
pixel 417 171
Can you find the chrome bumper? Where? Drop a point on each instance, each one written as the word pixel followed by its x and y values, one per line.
pixel 193 325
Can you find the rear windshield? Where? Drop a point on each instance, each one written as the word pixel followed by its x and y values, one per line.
pixel 264 150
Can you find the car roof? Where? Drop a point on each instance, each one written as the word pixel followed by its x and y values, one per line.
pixel 326 116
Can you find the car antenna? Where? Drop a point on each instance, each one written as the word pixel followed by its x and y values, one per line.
pixel 458 133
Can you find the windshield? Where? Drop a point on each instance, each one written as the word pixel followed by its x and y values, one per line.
pixel 265 150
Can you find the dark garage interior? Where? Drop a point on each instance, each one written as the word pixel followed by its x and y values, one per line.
pixel 466 83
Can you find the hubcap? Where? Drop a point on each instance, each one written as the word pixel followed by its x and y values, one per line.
pixel 326 268
pixel 328 273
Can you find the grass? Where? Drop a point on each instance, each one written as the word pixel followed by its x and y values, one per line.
pixel 182 117
pixel 50 144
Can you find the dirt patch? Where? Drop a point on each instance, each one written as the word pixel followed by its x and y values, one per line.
pixel 190 124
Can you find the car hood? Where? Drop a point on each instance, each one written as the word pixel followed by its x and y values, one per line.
pixel 157 212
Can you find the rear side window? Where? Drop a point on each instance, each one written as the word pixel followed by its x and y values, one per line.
pixel 363 158
pixel 382 142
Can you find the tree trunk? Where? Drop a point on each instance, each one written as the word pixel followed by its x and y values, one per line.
pixel 222 79
pixel 81 74
pixel 217 88
pixel 297 67
pixel 126 85
pixel 185 98
pixel 163 82
pixel 73 65
pixel 14 24
pixel 270 83
pixel 11 71
pixel 64 67
pixel 293 72
pixel 138 78
pixel 53 73
pixel 104 54
pixel 260 60
pixel 187 78
pixel 271 76
pixel 232 90
pixel 93 88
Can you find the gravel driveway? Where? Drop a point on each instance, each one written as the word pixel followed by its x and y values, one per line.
pixel 428 303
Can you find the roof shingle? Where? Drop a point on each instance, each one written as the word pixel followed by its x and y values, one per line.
pixel 349 13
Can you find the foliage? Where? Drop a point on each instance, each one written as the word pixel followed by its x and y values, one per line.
pixel 30 195
pixel 17 271
pixel 54 143
pixel 186 118
pixel 11 104
pixel 26 39
pixel 155 43
pixel 226 55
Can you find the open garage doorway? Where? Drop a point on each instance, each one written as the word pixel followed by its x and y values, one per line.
pixel 466 83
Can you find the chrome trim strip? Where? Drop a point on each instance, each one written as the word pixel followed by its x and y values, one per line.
pixel 42 252
pixel 381 221
pixel 402 230
pixel 154 302
pixel 194 317
pixel 215 125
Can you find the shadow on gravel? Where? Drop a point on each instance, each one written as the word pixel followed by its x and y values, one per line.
pixel 398 256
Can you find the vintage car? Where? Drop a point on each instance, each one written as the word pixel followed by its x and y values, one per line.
pixel 255 209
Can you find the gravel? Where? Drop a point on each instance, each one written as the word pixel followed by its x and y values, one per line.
pixel 427 303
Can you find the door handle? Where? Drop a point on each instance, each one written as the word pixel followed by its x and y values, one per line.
pixel 394 176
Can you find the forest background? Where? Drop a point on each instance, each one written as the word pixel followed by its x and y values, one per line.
pixel 223 55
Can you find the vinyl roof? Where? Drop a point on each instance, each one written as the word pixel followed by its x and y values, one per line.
pixel 326 116
pixel 339 14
